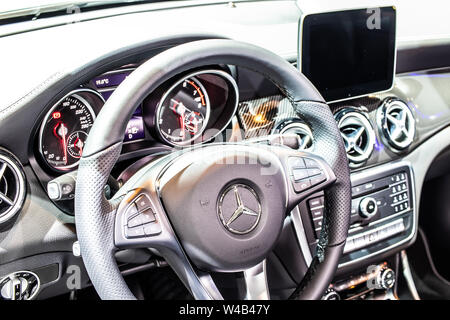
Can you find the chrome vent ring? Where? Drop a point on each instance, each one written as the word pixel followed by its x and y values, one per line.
pixel 12 186
pixel 397 123
pixel 358 135
pixel 303 132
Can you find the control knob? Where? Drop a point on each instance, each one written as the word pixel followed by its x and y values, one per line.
pixel 368 207
pixel 331 294
pixel 385 278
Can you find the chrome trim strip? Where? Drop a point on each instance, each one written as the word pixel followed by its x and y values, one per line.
pixel 256 282
pixel 301 235
pixel 408 276
pixel 348 249
pixel 380 220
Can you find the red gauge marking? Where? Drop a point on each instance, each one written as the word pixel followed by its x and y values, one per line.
pixel 192 83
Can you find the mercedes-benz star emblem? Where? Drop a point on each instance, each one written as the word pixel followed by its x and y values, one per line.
pixel 239 209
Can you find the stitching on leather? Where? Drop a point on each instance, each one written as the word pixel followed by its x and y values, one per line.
pixel 37 90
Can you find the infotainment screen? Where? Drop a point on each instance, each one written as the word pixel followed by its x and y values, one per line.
pixel 350 53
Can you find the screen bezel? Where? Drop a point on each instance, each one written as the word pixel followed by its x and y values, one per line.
pixel 362 93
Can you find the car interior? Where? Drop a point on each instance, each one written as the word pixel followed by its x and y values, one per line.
pixel 224 150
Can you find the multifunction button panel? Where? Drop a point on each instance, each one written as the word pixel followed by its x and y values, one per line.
pixel 305 173
pixel 139 219
pixel 392 195
pixel 382 210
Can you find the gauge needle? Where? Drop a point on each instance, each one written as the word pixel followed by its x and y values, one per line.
pixel 182 132
pixel 180 109
pixel 79 144
pixel 62 132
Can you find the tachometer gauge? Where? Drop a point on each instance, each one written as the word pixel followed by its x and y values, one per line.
pixel 183 112
pixel 65 130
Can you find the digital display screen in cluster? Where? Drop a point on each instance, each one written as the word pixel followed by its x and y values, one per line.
pixel 106 84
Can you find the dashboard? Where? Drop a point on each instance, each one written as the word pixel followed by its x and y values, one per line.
pixel 391 138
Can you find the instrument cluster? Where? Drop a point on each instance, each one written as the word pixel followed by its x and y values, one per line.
pixel 189 109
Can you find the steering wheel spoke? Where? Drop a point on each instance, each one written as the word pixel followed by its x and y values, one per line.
pixel 256 282
pixel 306 173
pixel 141 222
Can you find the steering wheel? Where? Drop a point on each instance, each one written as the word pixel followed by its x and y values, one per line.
pixel 218 207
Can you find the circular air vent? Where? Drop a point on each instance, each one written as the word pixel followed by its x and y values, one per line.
pixel 302 131
pixel 358 135
pixel 396 123
pixel 12 186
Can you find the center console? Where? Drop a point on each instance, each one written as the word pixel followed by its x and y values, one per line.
pixel 383 221
pixel 382 217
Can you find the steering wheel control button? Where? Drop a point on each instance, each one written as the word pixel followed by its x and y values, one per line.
pixel 300 174
pixel 148 216
pixel 311 163
pixel 296 162
pixel 314 172
pixel 135 232
pixel 140 220
pixel 152 229
pixel 305 173
pixel 300 186
pixel 317 179
pixel 131 212
pixel 368 207
pixel 135 221
pixel 143 202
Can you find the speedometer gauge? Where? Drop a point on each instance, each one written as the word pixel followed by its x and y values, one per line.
pixel 65 130
pixel 183 112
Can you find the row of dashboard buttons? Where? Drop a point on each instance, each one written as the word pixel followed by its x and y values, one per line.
pixel 398 181
pixel 399 188
pixel 305 173
pixel 362 240
pixel 140 220
pixel 398 177
pixel 317 208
